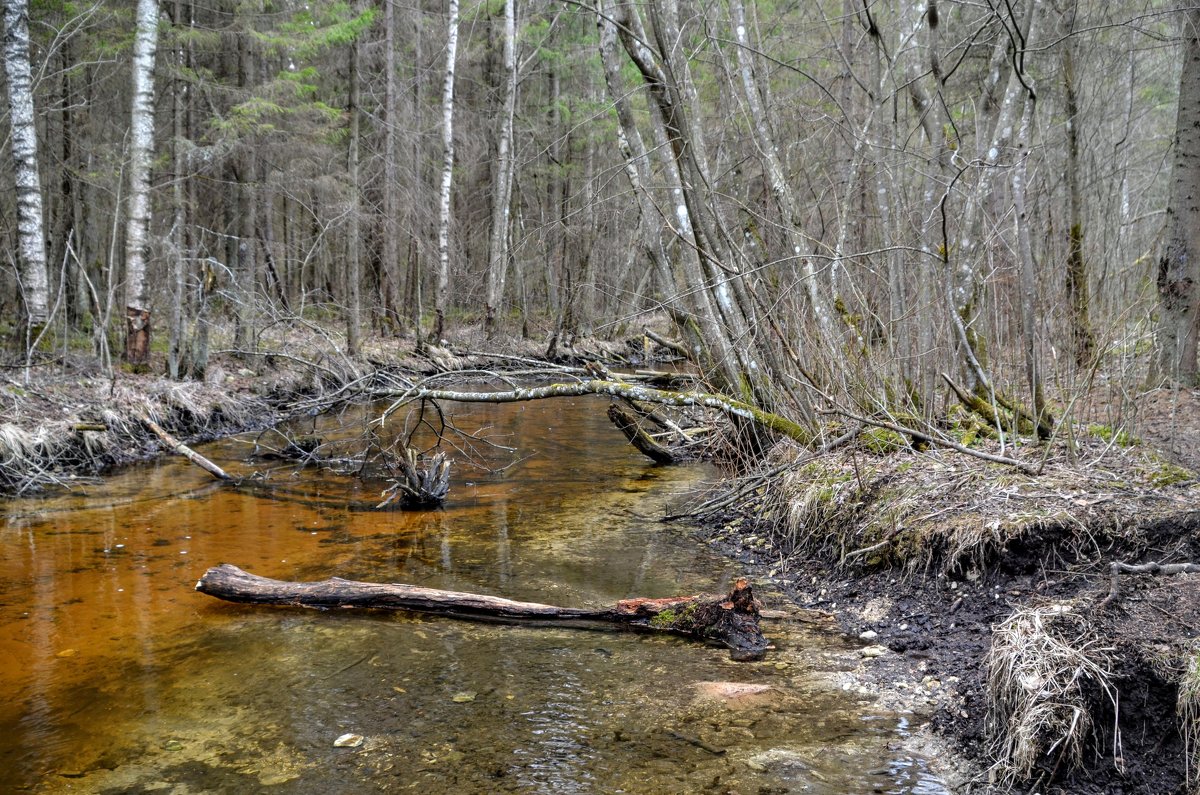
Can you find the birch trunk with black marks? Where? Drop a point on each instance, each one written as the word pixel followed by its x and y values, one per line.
pixel 719 300
pixel 141 152
pixel 442 280
pixel 1179 266
pixel 636 161
pixel 502 193
pixel 31 244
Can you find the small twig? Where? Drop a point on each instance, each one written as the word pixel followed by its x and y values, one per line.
pixel 866 550
pixel 696 741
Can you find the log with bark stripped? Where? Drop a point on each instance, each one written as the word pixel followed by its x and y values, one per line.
pixel 730 620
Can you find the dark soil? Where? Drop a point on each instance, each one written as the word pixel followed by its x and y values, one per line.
pixel 939 621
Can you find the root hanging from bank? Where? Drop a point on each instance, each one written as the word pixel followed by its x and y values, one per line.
pixel 1117 567
pixel 1046 670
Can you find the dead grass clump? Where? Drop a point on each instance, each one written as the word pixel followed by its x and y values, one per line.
pixel 34 458
pixel 1046 670
pixel 1188 708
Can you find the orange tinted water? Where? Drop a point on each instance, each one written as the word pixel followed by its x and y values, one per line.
pixel 120 678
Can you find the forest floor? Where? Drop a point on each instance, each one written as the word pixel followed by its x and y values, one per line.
pixel 922 555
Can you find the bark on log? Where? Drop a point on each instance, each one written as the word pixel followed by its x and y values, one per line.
pixel 730 621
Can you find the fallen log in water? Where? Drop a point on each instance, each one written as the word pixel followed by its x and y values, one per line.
pixel 730 620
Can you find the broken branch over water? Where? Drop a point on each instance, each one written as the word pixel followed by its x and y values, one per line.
pixel 730 620
pixel 729 406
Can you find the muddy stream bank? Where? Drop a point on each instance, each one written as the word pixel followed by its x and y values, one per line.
pixel 121 679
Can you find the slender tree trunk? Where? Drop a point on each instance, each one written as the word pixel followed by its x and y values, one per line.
pixel 353 246
pixel 1179 266
pixel 179 254
pixel 141 151
pixel 502 192
pixel 417 222
pixel 1083 340
pixel 31 243
pixel 442 283
pixel 390 227
pixel 1028 269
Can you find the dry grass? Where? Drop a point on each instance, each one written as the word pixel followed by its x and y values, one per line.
pixel 49 440
pixel 914 510
pixel 1188 708
pixel 1046 670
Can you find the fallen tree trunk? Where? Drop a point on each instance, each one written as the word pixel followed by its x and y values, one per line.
pixel 618 389
pixel 730 620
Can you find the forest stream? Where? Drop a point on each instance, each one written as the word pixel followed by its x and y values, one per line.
pixel 120 678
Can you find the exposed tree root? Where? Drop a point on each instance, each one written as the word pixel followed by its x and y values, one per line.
pixel 416 487
pixel 1152 567
pixel 627 424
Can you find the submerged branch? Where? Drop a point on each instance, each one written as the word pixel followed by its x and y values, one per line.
pixel 185 451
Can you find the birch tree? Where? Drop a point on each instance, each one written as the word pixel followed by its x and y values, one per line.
pixel 141 150
pixel 502 192
pixel 442 282
pixel 1179 266
pixel 31 248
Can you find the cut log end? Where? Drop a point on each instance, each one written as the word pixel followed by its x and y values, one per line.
pixel 730 620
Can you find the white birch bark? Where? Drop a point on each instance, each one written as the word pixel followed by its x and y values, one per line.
pixel 141 150
pixel 31 248
pixel 442 283
pixel 632 147
pixel 502 193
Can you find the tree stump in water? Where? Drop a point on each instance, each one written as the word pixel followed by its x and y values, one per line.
pixel 419 487
pixel 730 620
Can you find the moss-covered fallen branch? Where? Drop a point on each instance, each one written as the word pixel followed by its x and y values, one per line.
pixel 728 406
